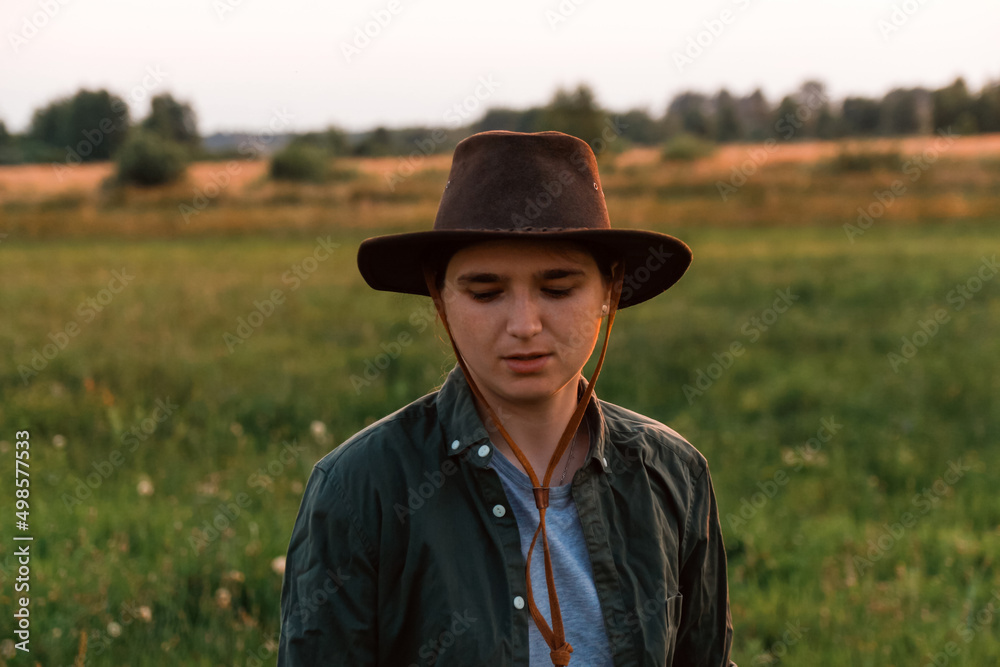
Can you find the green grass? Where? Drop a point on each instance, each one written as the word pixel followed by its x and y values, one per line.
pixel 792 557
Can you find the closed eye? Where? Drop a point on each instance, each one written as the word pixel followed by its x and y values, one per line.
pixel 557 293
pixel 484 296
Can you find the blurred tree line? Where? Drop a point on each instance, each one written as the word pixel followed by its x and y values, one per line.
pixel 96 125
pixel 93 125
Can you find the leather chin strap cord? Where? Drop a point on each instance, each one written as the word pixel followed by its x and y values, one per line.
pixel 555 636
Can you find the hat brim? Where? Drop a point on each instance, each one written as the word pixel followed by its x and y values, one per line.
pixel 653 261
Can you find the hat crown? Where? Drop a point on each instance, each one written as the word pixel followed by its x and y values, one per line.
pixel 522 182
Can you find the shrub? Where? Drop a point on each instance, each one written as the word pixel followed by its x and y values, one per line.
pixel 299 163
pixel 686 147
pixel 853 159
pixel 147 160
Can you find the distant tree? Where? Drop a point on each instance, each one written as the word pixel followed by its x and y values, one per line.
pixel 786 125
pixel 147 159
pixel 755 116
pixel 576 113
pixel 640 128
pixel 8 153
pixel 300 163
pixel 424 140
pixel 986 108
pixel 861 116
pixel 533 120
pixel 900 113
pixel 172 120
pixel 953 108
pixel 689 112
pixel 333 140
pixel 377 143
pixel 686 147
pixel 50 124
pixel 727 124
pixel 89 126
pixel 811 101
pixel 510 120
pixel 826 123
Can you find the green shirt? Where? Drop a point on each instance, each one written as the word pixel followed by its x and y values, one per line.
pixel 405 551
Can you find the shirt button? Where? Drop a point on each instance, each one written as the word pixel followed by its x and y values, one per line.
pixel 484 451
pixel 519 602
pixel 455 444
pixel 499 510
pixel 605 461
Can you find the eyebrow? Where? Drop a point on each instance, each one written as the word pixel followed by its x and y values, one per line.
pixel 478 278
pixel 549 274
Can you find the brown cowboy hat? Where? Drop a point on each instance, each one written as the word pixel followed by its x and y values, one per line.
pixel 515 185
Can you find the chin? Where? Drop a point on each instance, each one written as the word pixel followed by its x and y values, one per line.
pixel 529 389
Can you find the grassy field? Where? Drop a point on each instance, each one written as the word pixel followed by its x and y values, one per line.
pixel 845 392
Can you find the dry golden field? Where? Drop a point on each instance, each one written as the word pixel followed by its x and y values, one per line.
pixel 781 184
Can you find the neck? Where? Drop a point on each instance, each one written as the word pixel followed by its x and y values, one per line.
pixel 536 427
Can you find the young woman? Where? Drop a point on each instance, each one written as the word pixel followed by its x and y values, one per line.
pixel 512 517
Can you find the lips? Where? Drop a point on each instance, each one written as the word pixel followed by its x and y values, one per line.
pixel 527 362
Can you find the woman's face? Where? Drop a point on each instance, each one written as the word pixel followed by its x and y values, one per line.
pixel 525 315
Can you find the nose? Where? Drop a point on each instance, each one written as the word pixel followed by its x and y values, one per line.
pixel 523 319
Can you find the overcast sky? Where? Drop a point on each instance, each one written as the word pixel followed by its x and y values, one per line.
pixel 239 62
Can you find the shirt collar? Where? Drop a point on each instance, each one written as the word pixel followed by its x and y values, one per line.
pixel 463 429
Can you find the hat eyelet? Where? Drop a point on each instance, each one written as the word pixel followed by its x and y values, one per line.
pixel 596 187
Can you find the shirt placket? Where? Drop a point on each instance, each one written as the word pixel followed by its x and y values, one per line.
pixel 592 494
pixel 495 512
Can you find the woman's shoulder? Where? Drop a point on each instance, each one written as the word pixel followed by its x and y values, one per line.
pixel 638 434
pixel 387 439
